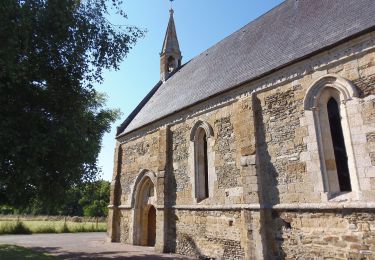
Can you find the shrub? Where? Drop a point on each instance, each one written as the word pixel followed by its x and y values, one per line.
pixel 6 210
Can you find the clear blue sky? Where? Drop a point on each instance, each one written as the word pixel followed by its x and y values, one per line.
pixel 199 24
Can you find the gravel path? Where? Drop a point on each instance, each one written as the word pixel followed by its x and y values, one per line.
pixel 83 246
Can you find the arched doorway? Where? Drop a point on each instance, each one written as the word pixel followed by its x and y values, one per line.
pixel 145 213
pixel 151 234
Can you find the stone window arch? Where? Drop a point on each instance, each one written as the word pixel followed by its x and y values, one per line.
pixel 325 106
pixel 200 137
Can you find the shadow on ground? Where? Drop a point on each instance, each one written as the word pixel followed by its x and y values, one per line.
pixel 12 252
pixel 57 251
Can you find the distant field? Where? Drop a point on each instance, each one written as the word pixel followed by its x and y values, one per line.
pixel 30 225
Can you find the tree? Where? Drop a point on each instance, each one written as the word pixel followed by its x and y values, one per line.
pixel 51 118
pixel 70 206
pixel 95 199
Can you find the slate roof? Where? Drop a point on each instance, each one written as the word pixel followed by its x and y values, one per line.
pixel 291 31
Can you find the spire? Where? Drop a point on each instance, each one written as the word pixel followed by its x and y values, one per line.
pixel 170 43
pixel 170 56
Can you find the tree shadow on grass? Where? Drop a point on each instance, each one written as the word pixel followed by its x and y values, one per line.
pixel 128 254
pixel 12 252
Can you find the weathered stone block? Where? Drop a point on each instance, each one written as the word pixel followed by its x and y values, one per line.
pixel 296 167
pixel 248 160
pixel 350 238
pixel 248 150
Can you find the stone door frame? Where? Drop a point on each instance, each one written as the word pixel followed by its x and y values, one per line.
pixel 141 203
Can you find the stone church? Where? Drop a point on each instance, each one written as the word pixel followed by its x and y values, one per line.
pixel 262 146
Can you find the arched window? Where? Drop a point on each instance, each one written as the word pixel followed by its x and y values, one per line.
pixel 201 165
pixel 200 135
pixel 338 143
pixel 326 100
pixel 171 63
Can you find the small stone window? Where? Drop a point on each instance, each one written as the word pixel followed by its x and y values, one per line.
pixel 171 65
pixel 200 137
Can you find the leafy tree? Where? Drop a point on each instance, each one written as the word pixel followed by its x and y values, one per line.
pixel 6 210
pixel 95 199
pixel 87 199
pixel 70 206
pixel 51 118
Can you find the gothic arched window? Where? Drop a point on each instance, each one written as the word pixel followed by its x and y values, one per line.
pixel 201 165
pixel 339 150
pixel 200 135
pixel 326 100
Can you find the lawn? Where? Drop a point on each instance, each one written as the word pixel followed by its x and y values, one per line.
pixel 48 226
pixel 10 252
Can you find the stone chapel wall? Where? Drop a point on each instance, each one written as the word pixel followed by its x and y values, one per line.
pixel 138 154
pixel 321 234
pixel 302 222
pixel 266 198
pixel 203 232
pixel 225 185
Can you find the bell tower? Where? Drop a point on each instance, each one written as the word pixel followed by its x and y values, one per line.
pixel 170 56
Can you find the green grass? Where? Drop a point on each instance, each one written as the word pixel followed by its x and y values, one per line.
pixel 15 227
pixel 35 227
pixel 10 252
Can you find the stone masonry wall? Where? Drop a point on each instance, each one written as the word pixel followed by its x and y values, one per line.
pixel 226 178
pixel 182 181
pixel 361 113
pixel 327 234
pixel 286 143
pixel 367 112
pixel 201 233
pixel 139 154
pixel 214 234
pixel 280 143
pixel 228 173
pixel 125 226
